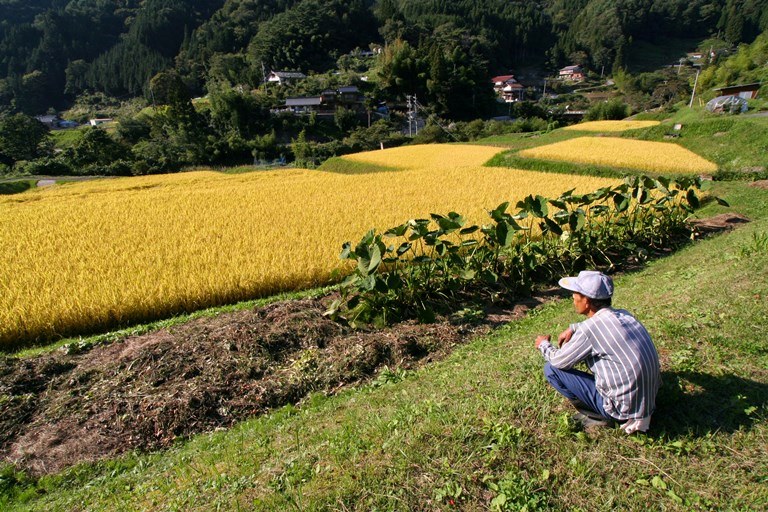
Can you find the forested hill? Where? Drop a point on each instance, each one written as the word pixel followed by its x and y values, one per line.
pixel 53 50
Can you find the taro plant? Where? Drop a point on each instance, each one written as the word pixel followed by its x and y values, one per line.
pixel 424 266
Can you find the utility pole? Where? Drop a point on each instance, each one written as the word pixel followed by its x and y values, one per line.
pixel 408 102
pixel 693 92
pixel 415 112
pixel 263 74
pixel 411 113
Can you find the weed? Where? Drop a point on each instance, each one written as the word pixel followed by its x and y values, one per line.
pixel 757 245
pixel 514 492
pixel 388 376
pixel 450 493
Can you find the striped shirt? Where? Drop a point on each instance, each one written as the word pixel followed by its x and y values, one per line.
pixel 619 352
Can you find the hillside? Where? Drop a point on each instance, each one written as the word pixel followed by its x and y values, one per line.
pixel 47 57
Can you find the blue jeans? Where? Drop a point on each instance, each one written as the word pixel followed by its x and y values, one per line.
pixel 576 385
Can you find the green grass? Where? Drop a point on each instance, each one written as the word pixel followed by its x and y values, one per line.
pixel 513 161
pixel 63 139
pixel 340 165
pixel 519 141
pixel 16 187
pixel 736 144
pixel 483 422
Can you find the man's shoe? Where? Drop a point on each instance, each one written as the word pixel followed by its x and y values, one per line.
pixel 588 421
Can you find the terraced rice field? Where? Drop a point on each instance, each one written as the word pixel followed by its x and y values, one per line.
pixel 94 255
pixel 639 155
pixel 610 126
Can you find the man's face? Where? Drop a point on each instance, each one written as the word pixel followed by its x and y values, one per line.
pixel 580 303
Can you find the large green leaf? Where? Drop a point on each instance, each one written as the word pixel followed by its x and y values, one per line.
pixel 551 225
pixel 576 220
pixel 375 260
pixel 404 247
pixel 499 212
pixel 397 230
pixel 504 235
pixel 621 201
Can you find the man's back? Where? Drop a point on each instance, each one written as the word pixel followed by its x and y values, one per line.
pixel 619 352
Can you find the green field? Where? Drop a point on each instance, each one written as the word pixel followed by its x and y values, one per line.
pixel 481 429
pixel 64 139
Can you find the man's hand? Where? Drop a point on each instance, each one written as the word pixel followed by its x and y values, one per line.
pixel 540 339
pixel 565 337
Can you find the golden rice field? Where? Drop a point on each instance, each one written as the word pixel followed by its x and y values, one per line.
pixel 96 254
pixel 610 126
pixel 647 156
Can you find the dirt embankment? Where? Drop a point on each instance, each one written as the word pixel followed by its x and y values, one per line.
pixel 146 391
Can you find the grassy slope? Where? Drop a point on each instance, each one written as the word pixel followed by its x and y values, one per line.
pixel 64 139
pixel 484 417
pixel 736 144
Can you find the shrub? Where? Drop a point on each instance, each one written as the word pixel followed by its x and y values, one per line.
pixel 44 167
pixel 609 110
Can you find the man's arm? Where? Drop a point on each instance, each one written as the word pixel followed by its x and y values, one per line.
pixel 564 337
pixel 569 355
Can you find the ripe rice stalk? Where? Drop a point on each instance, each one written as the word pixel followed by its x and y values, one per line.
pixel 610 126
pixel 656 157
pixel 94 255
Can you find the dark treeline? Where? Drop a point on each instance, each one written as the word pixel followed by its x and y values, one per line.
pixel 53 50
pixel 113 58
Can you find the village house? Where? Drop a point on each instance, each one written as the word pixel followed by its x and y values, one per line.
pixel 100 121
pixel 508 89
pixel 745 91
pixel 374 51
pixel 572 73
pixel 327 102
pixel 283 77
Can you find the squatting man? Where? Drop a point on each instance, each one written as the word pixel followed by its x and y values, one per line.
pixel 617 350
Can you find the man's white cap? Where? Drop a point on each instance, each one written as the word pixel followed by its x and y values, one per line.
pixel 589 283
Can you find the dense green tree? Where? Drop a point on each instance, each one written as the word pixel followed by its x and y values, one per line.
pixel 448 73
pixel 32 93
pixel 614 109
pixel 22 138
pixel 312 35
pixel 242 113
pixel 346 119
pixel 94 148
pixel 743 20
pixel 402 70
pixel 72 47
pixel 747 65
